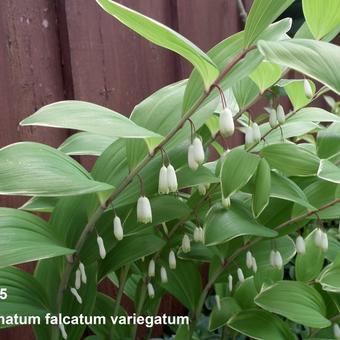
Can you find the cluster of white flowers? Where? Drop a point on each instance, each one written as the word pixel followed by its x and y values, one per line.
pixel 252 135
pixel 276 259
pixel 167 180
pixel 196 154
pixel 277 117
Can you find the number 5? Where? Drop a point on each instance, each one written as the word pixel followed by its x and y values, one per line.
pixel 3 293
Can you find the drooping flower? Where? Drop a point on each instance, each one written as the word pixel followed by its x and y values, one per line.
pixel 163 187
pixel 172 260
pixel 77 282
pixel 280 114
pixel 186 244
pixel 249 136
pixel 151 291
pixel 273 119
pixel 240 275
pixel 318 238
pixel 226 202
pixel 102 251
pixel 336 331
pixel 256 133
pixel 151 268
pixel 226 123
pixel 82 272
pixel 172 179
pixel 300 245
pixel 202 189
pixel 164 275
pixel 272 258
pixel 254 264
pixel 278 260
pixel 118 228
pixel 249 259
pixel 324 241
pixel 198 234
pixel 230 283
pixel 198 150
pixel 193 165
pixel 144 213
pixel 76 295
pixel 308 89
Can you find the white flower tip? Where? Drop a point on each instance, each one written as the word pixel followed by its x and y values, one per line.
pixel 249 259
pixel 192 163
pixel 336 331
pixel 102 251
pixel 324 241
pixel 151 291
pixel 249 136
pixel 144 212
pixel 82 272
pixel 278 261
pixel 318 237
pixel 280 114
pixel 230 283
pixel 172 260
pixel 198 150
pixel 308 89
pixel 62 330
pixel 186 247
pixel 172 179
pixel 240 275
pixel 77 283
pixel 300 245
pixel 76 295
pixel 164 275
pixel 151 269
pixel 272 258
pixel 226 202
pixel 254 264
pixel 202 189
pixel 163 187
pixel 226 123
pixel 118 228
pixel 256 133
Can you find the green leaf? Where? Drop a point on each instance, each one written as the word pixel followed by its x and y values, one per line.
pixel 296 91
pixel 25 238
pixel 79 115
pixel 245 91
pixel 265 75
pixel 296 301
pixel 245 293
pixel 316 59
pixel 86 143
pixel 219 317
pixel 328 141
pixel 29 168
pixel 259 324
pixel 309 265
pixel 291 159
pixel 223 225
pixel 184 283
pixel 262 13
pixel 163 36
pixel 25 296
pixel 322 17
pixel 314 114
pixel 330 277
pixel 237 169
pixel 40 204
pixel 262 188
pixel 187 177
pixel 329 171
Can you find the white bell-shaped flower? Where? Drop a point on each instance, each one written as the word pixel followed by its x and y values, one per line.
pixel 272 258
pixel 198 150
pixel 308 89
pixel 118 228
pixel 254 264
pixel 172 179
pixel 249 259
pixel 102 251
pixel 172 260
pixel 226 123
pixel 151 291
pixel 76 295
pixel 144 213
pixel 163 187
pixel 164 275
pixel 192 163
pixel 278 260
pixel 77 282
pixel 62 331
pixel 273 119
pixel 300 245
pixel 202 189
pixel 218 302
pixel 249 137
pixel 280 114
pixel 152 268
pixel 318 237
pixel 336 331
pixel 240 275
pixel 324 241
pixel 230 283
pixel 83 273
pixel 186 247
pixel 256 133
pixel 226 202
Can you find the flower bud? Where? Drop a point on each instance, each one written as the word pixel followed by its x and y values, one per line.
pixel 318 238
pixel 118 229
pixel 172 179
pixel 272 258
pixel 300 245
pixel 151 291
pixel 144 213
pixel 230 283
pixel 249 137
pixel 164 275
pixel 172 260
pixel 256 133
pixel 102 251
pixel 249 259
pixel 324 241
pixel 218 302
pixel 254 264
pixel 199 234
pixel 336 331
pixel 226 202
pixel 308 89
pixel 62 331
pixel 198 150
pixel 193 165
pixel 273 119
pixel 202 189
pixel 82 272
pixel 240 275
pixel 77 283
pixel 226 123
pixel 151 269
pixel 280 114
pixel 186 244
pixel 163 187
pixel 278 260
pixel 76 295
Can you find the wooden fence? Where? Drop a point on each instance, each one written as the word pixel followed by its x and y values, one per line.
pixel 52 50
